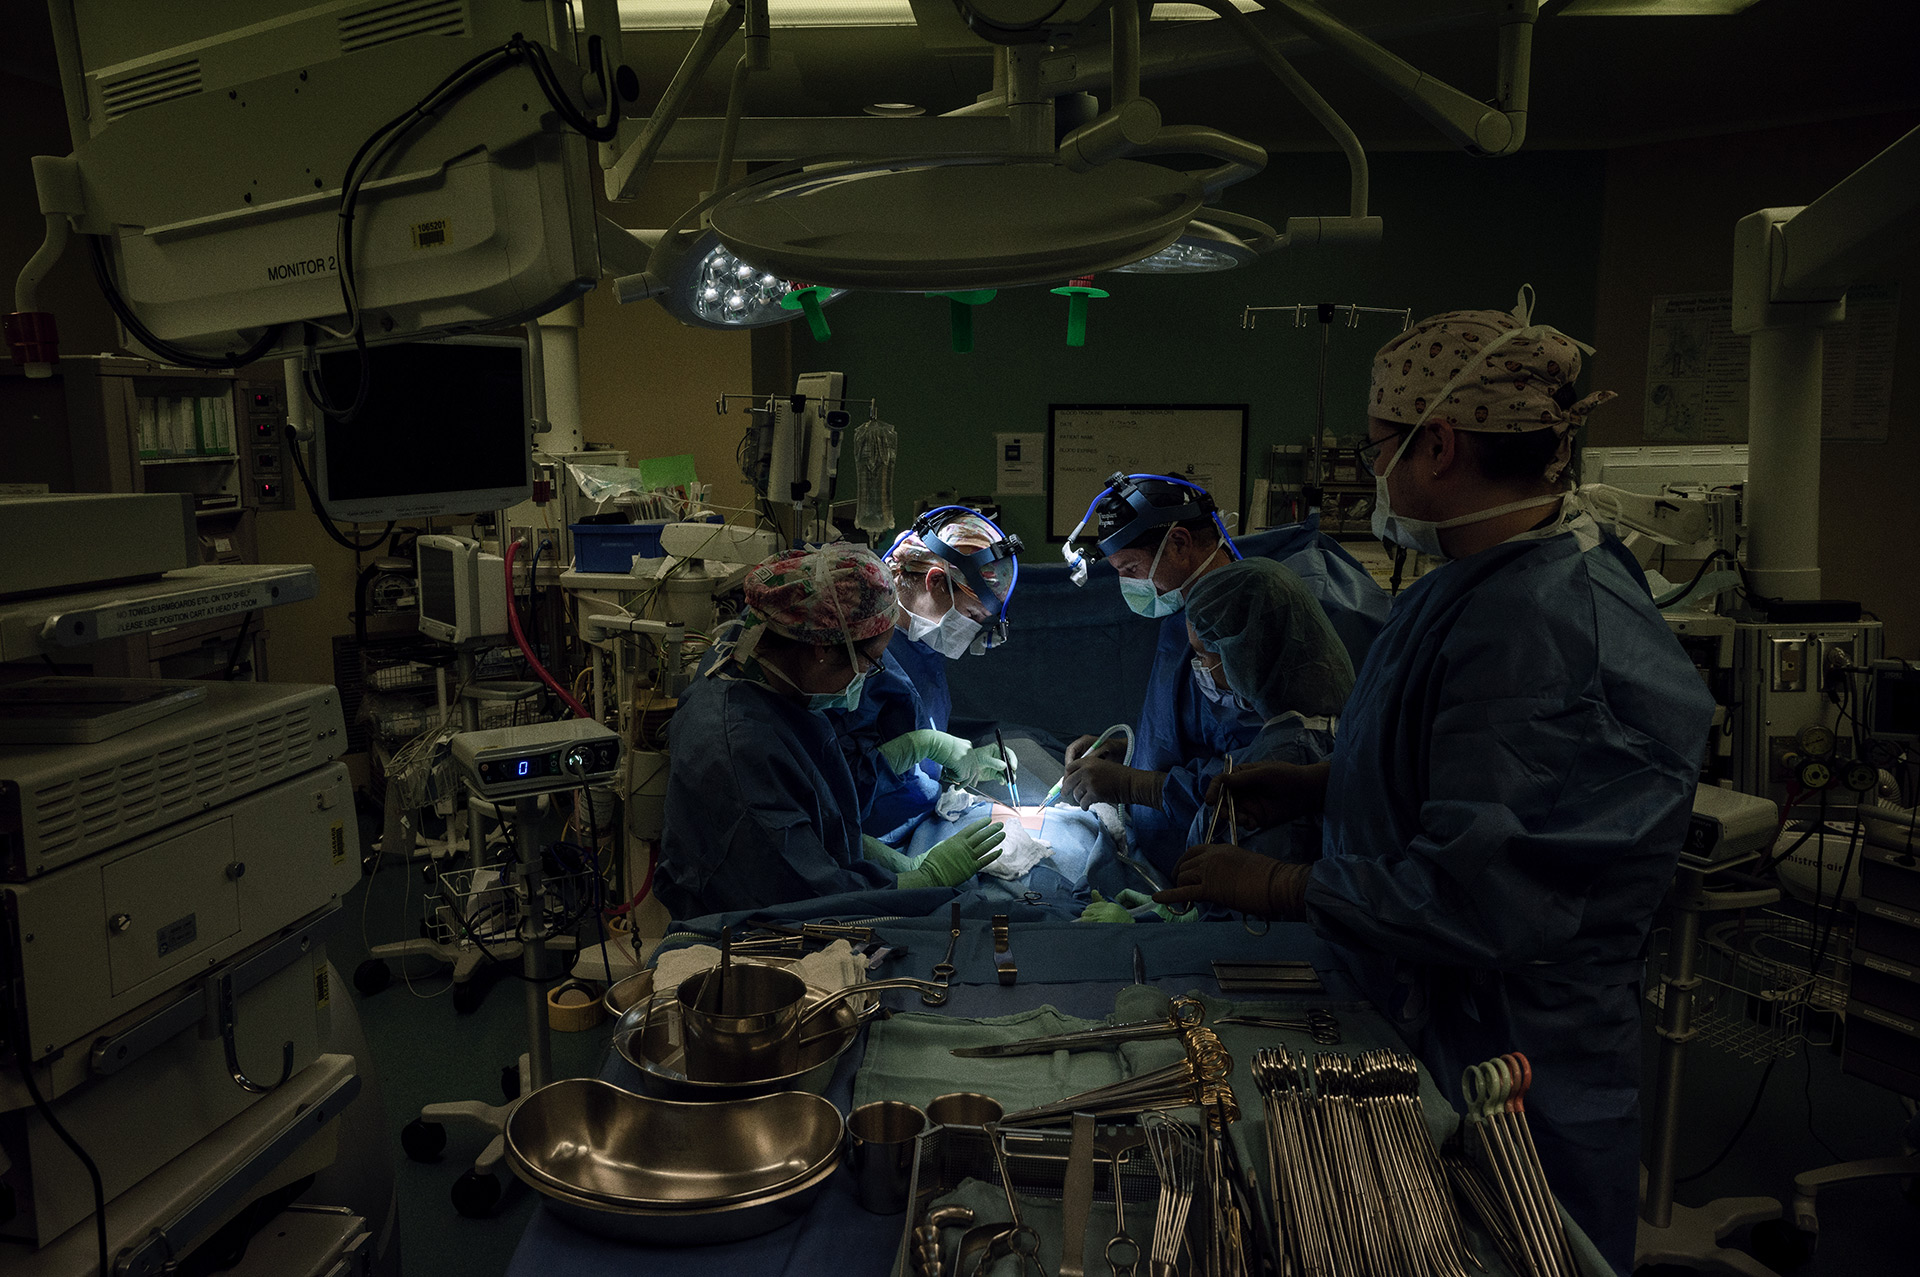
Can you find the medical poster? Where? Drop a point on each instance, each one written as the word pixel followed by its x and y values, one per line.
pixel 1204 444
pixel 1856 392
pixel 1696 372
pixel 1697 369
pixel 1019 465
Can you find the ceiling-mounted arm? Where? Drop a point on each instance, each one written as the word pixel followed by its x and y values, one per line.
pixel 1126 51
pixel 726 17
pixel 1329 119
pixel 1481 129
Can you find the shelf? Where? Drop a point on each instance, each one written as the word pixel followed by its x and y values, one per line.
pixel 209 459
pixel 34 627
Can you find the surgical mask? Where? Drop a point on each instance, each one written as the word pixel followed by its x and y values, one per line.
pixel 1146 599
pixel 1215 692
pixel 953 635
pixel 847 698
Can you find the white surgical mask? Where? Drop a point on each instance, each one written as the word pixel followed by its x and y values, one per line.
pixel 1217 692
pixel 954 636
pixel 1146 599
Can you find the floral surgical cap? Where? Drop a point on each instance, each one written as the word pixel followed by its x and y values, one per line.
pixel 835 593
pixel 1486 370
pixel 964 532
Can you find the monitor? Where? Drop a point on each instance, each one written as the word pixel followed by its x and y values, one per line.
pixel 446 429
pixel 1895 707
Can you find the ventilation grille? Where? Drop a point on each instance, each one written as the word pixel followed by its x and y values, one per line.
pixel 76 817
pixel 397 20
pixel 151 87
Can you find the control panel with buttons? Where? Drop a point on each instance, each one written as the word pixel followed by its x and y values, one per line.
pixel 537 758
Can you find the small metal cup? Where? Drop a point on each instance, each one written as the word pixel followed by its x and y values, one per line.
pixel 964 1108
pixel 880 1140
pixel 758 1036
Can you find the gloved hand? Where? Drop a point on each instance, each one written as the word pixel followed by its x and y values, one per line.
pixel 952 861
pixel 955 753
pixel 1133 900
pixel 1239 879
pixel 1103 910
pixel 1114 750
pixel 879 853
pixel 1092 779
pixel 1270 794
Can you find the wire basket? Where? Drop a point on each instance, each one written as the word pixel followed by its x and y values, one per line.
pixel 1770 981
pixel 488 907
pixel 1037 1163
pixel 398 668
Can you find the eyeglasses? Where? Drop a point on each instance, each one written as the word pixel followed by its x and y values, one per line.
pixel 1370 452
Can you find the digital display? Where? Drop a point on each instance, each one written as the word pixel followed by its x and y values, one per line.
pixel 526 767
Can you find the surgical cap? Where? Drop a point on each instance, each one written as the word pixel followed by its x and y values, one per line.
pixel 821 596
pixel 1490 381
pixel 1277 649
pixel 965 532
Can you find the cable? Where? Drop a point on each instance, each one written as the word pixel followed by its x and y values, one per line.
pixel 313 498
pixel 103 276
pixel 520 637
pixel 22 1053
pixel 1681 592
pixel 239 643
pixel 533 589
pixel 1740 1130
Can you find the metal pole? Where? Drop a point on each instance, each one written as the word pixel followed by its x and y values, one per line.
pixel 1677 985
pixel 533 940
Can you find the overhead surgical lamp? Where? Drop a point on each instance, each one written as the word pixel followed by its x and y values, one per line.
pixel 699 281
pixel 1217 241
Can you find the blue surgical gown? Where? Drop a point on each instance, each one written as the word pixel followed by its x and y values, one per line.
pixel 1287 739
pixel 908 692
pixel 761 807
pixel 1185 735
pixel 1509 790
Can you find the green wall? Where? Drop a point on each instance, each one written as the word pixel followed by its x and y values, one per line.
pixel 1460 232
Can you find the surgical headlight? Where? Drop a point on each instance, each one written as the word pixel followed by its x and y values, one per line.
pixel 1199 503
pixel 972 565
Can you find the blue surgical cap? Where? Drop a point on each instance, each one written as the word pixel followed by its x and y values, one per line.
pixel 1277 649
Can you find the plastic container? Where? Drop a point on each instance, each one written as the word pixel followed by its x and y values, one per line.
pixel 612 547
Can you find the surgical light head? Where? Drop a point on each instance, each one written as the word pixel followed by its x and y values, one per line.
pixel 1131 505
pixel 990 570
pixel 701 283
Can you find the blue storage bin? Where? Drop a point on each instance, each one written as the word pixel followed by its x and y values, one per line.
pixel 612 547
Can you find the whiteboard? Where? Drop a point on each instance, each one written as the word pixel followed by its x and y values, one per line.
pixel 1205 444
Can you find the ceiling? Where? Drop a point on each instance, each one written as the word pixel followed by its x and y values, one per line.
pixel 1597 82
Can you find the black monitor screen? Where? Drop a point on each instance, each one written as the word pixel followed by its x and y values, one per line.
pixel 440 418
pixel 1896 703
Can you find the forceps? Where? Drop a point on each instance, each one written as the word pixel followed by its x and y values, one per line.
pixel 1319 1025
pixel 943 970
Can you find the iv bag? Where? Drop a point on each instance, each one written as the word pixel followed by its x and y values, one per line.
pixel 874 448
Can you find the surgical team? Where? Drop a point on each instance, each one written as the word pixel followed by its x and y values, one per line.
pixel 1475 796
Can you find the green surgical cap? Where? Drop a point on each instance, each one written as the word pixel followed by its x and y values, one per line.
pixel 1277 649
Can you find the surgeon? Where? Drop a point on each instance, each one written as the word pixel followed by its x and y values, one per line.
pixel 761 808
pixel 953 574
pixel 1262 645
pixel 1515 768
pixel 1162 535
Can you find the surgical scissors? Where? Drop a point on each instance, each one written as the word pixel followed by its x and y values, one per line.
pixel 1182 1014
pixel 943 970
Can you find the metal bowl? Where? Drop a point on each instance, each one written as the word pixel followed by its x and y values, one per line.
pixel 625 994
pixel 591 1140
pixel 732 1222
pixel 643 1041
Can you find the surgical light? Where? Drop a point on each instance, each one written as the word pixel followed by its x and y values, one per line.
pixel 1220 241
pixel 701 283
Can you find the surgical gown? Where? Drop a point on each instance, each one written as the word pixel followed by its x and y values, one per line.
pixel 761 807
pixel 1509 790
pixel 1185 735
pixel 904 694
pixel 1287 739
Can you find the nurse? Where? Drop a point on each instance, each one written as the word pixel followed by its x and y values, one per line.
pixel 1515 768
pixel 953 574
pixel 761 808
pixel 1262 645
pixel 1163 535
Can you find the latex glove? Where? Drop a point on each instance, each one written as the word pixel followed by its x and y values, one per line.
pixel 1093 779
pixel 1103 910
pixel 1139 899
pixel 952 861
pixel 1115 749
pixel 1270 794
pixel 1236 878
pixel 879 853
pixel 986 763
pixel 905 752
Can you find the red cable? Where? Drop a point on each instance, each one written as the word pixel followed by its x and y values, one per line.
pixel 526 648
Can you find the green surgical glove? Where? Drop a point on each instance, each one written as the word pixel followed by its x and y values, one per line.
pixel 952 861
pixel 1132 900
pixel 879 853
pixel 954 753
pixel 1104 910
